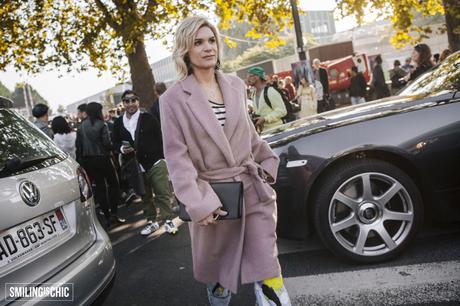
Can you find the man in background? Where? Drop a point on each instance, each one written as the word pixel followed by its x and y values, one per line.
pixel 268 102
pixel 40 112
pixel 160 88
pixel 358 85
pixel 81 112
pixel 321 75
pixel 137 135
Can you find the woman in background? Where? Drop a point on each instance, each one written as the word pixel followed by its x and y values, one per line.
pixel 64 137
pixel 94 143
pixel 421 56
pixel 306 97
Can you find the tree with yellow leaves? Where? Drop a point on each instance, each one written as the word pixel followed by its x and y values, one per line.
pixel 42 34
pixel 401 13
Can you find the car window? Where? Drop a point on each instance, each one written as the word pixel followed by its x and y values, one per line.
pixel 20 141
pixel 445 77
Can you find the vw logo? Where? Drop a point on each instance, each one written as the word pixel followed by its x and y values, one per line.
pixel 29 193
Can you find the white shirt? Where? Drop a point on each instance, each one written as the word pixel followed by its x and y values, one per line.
pixel 66 142
pixel 131 123
pixel 319 90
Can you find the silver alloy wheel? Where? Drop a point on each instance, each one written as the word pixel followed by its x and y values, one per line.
pixel 371 214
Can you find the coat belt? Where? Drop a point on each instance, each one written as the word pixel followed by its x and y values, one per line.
pixel 249 167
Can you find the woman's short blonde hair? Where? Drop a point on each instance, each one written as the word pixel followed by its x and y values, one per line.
pixel 184 40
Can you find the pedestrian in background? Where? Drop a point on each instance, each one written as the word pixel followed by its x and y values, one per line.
pixel 358 85
pixel 290 88
pixel 435 59
pixel 64 137
pixel 268 102
pixel 408 67
pixel 81 112
pixel 445 53
pixel 421 56
pixel 40 112
pixel 94 143
pixel 160 88
pixel 321 75
pixel 306 96
pixel 397 75
pixel 320 102
pixel 274 80
pixel 201 149
pixel 138 136
pixel 378 80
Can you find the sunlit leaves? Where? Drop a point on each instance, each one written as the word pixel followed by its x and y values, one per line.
pixel 77 35
pixel 400 12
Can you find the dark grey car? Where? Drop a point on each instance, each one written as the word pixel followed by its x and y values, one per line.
pixel 49 233
pixel 364 176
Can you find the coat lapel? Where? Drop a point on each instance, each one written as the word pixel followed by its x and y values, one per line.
pixel 233 104
pixel 202 111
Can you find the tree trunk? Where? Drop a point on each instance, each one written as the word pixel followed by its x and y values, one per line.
pixel 141 75
pixel 452 10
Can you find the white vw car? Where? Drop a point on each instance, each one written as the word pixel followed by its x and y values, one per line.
pixel 49 234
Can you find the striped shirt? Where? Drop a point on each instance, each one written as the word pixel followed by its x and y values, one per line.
pixel 219 111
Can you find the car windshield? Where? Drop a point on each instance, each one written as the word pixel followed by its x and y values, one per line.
pixel 444 77
pixel 23 147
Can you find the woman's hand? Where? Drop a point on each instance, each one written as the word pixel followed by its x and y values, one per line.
pixel 212 218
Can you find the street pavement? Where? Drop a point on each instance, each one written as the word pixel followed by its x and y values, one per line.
pixel 157 270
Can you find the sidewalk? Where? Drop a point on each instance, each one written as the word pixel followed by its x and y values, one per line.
pixel 157 270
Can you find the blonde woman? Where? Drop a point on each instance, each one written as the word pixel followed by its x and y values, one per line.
pixel 306 96
pixel 208 137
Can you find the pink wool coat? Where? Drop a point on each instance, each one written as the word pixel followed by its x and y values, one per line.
pixel 198 151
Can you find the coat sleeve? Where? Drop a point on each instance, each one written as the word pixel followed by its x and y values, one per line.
pixel 106 142
pixel 199 198
pixel 263 154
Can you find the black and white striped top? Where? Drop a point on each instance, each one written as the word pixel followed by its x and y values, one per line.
pixel 219 111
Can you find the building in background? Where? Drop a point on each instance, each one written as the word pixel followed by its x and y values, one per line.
pixel 165 71
pixel 109 98
pixel 318 23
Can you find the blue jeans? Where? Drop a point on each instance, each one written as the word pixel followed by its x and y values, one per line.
pixel 357 100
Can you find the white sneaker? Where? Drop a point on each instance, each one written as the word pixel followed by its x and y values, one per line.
pixel 150 228
pixel 170 227
pixel 267 296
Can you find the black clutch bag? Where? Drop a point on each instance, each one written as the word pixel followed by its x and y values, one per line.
pixel 230 195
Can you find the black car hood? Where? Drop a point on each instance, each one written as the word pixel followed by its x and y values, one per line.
pixel 352 114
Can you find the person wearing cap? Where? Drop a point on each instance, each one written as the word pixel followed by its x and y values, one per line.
pixel 270 116
pixel 40 112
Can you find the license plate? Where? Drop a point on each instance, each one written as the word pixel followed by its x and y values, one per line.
pixel 29 236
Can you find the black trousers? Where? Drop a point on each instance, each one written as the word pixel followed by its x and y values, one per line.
pixel 103 173
pixel 322 106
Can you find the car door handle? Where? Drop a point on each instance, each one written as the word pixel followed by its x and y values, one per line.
pixel 296 163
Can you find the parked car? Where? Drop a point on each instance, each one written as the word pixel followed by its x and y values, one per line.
pixel 364 176
pixel 49 232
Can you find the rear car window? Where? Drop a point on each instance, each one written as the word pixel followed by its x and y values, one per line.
pixel 23 147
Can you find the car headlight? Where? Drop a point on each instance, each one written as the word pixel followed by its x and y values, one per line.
pixel 85 186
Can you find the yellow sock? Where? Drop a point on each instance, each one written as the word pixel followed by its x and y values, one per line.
pixel 276 283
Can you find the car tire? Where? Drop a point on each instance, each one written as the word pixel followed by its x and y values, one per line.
pixel 367 210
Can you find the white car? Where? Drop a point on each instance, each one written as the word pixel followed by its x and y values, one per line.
pixel 49 233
